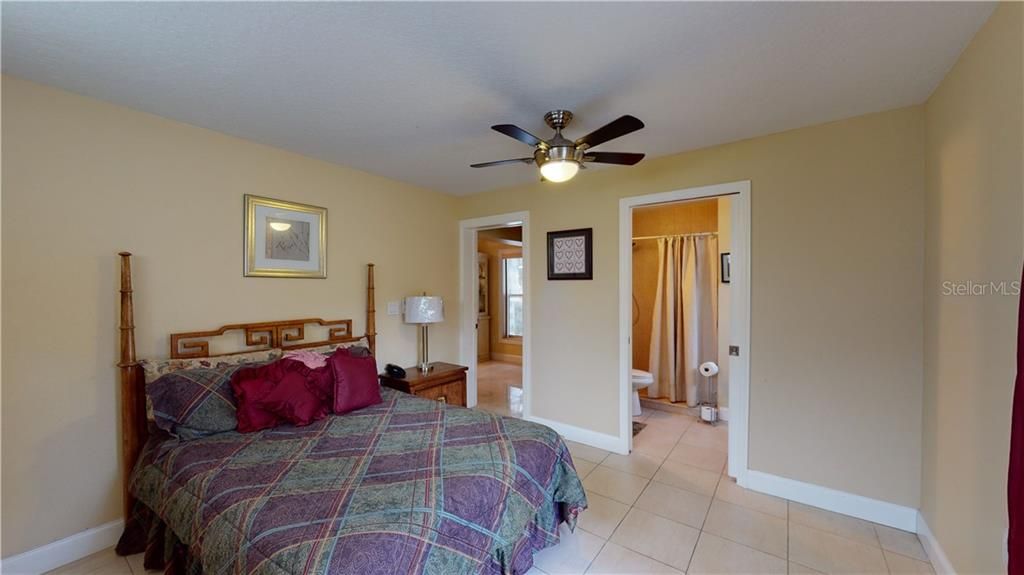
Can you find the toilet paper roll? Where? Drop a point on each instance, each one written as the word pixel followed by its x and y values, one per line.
pixel 708 368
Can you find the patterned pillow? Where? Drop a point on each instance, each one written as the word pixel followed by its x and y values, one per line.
pixel 194 403
pixel 332 347
pixel 154 369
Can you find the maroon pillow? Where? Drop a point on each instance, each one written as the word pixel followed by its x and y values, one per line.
pixel 250 386
pixel 294 401
pixel 274 394
pixel 319 380
pixel 355 381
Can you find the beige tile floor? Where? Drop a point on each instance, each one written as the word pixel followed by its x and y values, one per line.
pixel 105 562
pixel 500 388
pixel 669 508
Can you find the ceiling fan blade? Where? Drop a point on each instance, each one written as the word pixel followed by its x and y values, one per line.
pixel 503 162
pixel 623 158
pixel 614 129
pixel 518 133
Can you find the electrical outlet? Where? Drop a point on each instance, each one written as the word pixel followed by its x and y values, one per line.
pixel 394 308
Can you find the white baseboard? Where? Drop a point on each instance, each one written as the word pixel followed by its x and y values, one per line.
pixel 940 562
pixel 891 514
pixel 507 358
pixel 64 551
pixel 585 436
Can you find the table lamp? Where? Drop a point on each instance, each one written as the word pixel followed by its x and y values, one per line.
pixel 423 311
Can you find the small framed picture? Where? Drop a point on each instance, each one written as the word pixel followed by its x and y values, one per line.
pixel 726 267
pixel 284 239
pixel 571 254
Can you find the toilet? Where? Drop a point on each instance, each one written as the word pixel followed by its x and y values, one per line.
pixel 641 379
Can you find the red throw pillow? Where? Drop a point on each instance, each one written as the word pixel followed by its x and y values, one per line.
pixel 276 393
pixel 319 380
pixel 293 401
pixel 355 381
pixel 250 386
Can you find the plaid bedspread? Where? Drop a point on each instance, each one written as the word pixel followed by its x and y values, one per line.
pixel 408 486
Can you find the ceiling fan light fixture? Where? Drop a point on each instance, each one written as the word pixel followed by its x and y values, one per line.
pixel 559 170
pixel 560 159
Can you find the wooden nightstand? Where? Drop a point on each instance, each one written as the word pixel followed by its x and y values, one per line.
pixel 445 382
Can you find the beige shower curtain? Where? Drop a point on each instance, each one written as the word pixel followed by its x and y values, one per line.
pixel 684 330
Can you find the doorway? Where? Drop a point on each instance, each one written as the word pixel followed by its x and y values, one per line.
pixel 731 352
pixel 499 334
pixel 494 312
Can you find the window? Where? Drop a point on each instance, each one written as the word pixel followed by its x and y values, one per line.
pixel 512 291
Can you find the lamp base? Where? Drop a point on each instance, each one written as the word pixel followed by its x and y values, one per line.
pixel 424 364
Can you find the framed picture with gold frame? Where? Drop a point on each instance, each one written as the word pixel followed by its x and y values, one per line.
pixel 284 239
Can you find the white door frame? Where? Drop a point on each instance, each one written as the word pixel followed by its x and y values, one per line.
pixel 468 297
pixel 739 301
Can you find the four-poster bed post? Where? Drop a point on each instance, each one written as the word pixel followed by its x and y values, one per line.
pixel 134 427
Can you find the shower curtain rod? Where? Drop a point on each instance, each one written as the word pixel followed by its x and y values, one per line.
pixel 675 236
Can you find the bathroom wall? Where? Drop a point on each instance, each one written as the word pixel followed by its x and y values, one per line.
pixel 675 218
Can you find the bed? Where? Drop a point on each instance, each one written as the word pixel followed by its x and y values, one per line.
pixel 405 486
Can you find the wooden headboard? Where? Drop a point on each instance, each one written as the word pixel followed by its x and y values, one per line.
pixel 286 334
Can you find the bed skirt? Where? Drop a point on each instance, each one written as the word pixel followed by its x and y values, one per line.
pixel 146 533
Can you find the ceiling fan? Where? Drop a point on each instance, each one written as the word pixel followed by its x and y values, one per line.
pixel 558 158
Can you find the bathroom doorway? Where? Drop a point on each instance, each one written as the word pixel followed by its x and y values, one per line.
pixel 494 334
pixel 679 295
pixel 684 305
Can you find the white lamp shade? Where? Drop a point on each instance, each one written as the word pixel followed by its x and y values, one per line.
pixel 424 309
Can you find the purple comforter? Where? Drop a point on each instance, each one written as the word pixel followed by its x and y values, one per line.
pixel 407 486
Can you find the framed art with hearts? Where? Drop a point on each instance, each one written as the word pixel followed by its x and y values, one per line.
pixel 571 254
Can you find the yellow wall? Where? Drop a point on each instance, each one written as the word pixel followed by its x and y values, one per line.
pixel 83 179
pixel 836 326
pixel 667 219
pixel 494 251
pixel 975 217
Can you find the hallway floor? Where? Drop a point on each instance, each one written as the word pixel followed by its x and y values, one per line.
pixel 669 508
pixel 500 388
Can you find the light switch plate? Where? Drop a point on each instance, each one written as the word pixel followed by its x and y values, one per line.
pixel 394 308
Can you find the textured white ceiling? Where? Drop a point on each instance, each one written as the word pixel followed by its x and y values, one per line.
pixel 409 90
